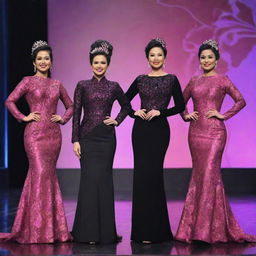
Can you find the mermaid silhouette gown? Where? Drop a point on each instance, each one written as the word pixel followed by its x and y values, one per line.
pixel 207 215
pixel 40 216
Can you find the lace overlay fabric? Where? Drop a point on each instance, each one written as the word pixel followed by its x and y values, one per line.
pixel 40 217
pixel 156 92
pixel 207 215
pixel 150 140
pixel 96 99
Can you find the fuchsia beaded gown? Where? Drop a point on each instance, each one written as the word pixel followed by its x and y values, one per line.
pixel 40 216
pixel 207 215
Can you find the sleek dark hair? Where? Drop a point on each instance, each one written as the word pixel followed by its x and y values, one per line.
pixel 101 47
pixel 155 43
pixel 208 47
pixel 41 48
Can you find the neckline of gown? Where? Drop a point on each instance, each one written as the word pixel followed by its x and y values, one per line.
pixel 216 75
pixel 42 78
pixel 159 76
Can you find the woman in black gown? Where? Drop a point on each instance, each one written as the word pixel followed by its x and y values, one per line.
pixel 95 143
pixel 150 139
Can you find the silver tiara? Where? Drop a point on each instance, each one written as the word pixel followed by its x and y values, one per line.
pixel 161 41
pixel 38 44
pixel 102 48
pixel 212 43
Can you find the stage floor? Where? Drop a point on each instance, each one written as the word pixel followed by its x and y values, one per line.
pixel 244 209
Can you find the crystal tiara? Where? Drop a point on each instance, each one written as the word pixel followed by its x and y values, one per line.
pixel 102 48
pixel 212 43
pixel 161 41
pixel 38 44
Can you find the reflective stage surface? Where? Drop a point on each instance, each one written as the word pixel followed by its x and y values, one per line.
pixel 244 209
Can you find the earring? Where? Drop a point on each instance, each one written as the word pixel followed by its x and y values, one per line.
pixel 164 65
pixel 34 69
pixel 51 68
pixel 216 64
pixel 149 65
pixel 199 67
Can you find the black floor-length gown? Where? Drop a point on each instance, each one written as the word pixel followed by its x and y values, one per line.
pixel 95 215
pixel 150 140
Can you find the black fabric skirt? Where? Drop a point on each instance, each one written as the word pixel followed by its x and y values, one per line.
pixel 95 214
pixel 150 219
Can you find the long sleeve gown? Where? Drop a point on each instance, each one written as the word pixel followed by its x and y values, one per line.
pixel 150 140
pixel 207 215
pixel 40 216
pixel 95 214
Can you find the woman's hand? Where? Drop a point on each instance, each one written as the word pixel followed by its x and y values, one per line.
pixel 57 119
pixel 191 116
pixel 214 113
pixel 141 113
pixel 33 116
pixel 77 149
pixel 109 120
pixel 152 113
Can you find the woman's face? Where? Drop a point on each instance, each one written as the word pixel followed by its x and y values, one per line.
pixel 156 58
pixel 99 65
pixel 208 60
pixel 43 62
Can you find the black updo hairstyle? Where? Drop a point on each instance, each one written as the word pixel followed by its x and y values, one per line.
pixel 157 42
pixel 101 47
pixel 208 46
pixel 44 47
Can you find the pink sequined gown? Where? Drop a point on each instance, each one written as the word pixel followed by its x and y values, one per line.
pixel 207 215
pixel 40 216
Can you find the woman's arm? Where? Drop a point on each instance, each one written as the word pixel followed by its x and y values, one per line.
pixel 131 93
pixel 236 96
pixel 179 104
pixel 77 113
pixel 67 103
pixel 19 91
pixel 124 103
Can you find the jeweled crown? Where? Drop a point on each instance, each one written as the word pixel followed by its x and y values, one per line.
pixel 212 43
pixel 102 48
pixel 38 44
pixel 161 41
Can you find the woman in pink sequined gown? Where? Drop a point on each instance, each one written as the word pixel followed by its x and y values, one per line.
pixel 207 215
pixel 40 217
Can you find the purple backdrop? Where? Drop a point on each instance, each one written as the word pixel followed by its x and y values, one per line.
pixel 129 25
